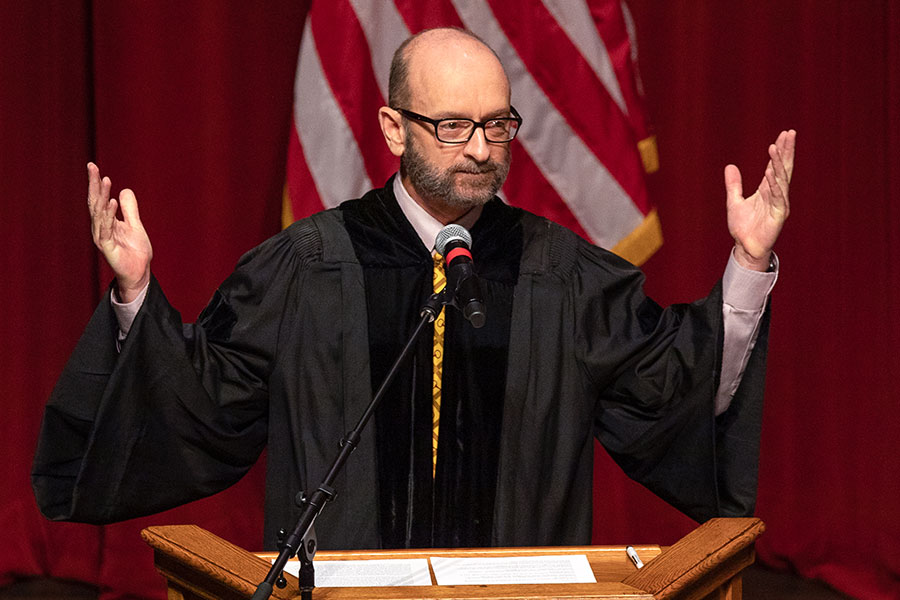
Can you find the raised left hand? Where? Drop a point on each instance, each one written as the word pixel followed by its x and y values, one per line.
pixel 756 221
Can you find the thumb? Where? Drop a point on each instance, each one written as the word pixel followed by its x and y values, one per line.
pixel 734 189
pixel 129 206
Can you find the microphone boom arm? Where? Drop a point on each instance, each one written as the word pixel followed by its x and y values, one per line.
pixel 303 532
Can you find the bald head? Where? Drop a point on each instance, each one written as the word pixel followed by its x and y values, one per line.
pixel 440 53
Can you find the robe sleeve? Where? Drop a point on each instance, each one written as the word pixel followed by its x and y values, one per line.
pixel 655 373
pixel 180 413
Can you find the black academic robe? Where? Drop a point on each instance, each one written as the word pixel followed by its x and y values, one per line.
pixel 284 356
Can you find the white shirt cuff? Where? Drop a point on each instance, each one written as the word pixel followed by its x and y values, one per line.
pixel 126 312
pixel 747 290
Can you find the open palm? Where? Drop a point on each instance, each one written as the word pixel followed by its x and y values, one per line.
pixel 124 243
pixel 756 221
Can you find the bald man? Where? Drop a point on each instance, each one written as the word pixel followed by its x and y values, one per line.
pixel 290 348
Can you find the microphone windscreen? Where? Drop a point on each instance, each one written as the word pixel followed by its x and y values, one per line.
pixel 450 233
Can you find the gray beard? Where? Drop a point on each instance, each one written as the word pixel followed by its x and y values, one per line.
pixel 434 185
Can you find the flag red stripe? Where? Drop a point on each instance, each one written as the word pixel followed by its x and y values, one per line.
pixel 420 15
pixel 302 190
pixel 610 23
pixel 575 91
pixel 347 64
pixel 526 187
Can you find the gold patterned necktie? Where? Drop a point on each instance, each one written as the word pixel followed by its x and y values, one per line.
pixel 439 282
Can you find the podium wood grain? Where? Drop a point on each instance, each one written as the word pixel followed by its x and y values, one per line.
pixel 704 564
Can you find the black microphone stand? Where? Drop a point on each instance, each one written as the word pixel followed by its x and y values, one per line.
pixel 302 539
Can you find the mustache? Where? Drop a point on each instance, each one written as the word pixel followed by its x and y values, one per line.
pixel 475 168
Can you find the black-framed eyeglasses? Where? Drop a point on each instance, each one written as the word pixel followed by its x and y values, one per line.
pixel 498 130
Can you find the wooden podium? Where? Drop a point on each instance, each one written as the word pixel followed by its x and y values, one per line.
pixel 706 563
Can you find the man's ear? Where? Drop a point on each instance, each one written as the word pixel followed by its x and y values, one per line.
pixel 392 127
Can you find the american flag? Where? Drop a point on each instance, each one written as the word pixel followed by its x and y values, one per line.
pixel 585 145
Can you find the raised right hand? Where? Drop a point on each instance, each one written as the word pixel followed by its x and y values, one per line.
pixel 125 244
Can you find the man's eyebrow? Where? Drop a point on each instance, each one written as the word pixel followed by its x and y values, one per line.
pixel 449 115
pixel 499 113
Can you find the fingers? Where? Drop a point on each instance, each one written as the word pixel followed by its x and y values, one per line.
pixel 128 202
pixel 98 189
pixel 787 151
pixel 777 174
pixel 734 189
pixel 105 223
pixel 98 198
pixel 776 164
pixel 768 181
pixel 101 207
pixel 93 184
pixel 103 212
pixel 785 145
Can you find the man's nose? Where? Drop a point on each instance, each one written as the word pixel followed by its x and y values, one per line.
pixel 477 148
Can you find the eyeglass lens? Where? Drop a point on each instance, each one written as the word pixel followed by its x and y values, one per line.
pixel 496 130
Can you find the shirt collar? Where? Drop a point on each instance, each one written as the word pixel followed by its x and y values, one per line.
pixel 426 226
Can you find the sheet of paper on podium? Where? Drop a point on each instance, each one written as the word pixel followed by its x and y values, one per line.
pixel 558 569
pixel 368 573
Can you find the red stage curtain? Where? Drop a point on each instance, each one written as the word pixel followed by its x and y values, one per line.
pixel 189 104
pixel 48 275
pixel 722 78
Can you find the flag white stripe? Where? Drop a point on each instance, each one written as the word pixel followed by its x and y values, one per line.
pixel 332 154
pixel 384 29
pixel 569 166
pixel 576 20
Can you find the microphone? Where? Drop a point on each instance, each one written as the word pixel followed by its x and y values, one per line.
pixel 454 242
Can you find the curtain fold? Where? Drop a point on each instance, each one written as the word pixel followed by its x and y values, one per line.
pixel 45 137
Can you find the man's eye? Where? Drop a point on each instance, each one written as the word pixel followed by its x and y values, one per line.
pixel 451 125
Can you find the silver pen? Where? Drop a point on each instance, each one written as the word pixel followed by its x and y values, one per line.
pixel 629 550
